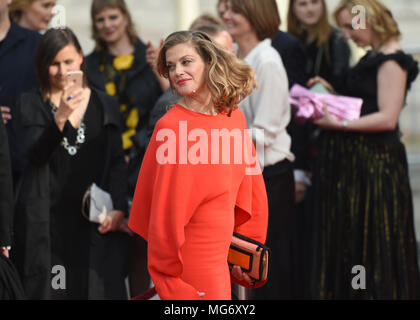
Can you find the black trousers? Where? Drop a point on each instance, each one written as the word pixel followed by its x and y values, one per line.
pixel 280 185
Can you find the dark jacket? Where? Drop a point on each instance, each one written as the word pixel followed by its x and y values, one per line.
pixel 142 84
pixel 32 246
pixel 293 56
pixel 6 190
pixel 330 61
pixel 17 75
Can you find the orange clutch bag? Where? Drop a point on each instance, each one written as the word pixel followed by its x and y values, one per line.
pixel 252 256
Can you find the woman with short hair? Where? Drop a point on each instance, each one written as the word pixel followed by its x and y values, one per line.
pixel 252 24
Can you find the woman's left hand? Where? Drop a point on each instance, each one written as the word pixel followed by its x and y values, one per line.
pixel 114 221
pixel 327 121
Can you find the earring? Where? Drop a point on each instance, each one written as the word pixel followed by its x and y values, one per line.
pixel 194 91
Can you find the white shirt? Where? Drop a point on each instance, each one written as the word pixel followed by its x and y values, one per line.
pixel 268 107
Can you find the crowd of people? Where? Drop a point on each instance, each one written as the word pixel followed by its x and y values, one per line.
pixel 323 195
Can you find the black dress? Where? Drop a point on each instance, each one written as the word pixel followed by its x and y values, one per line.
pixel 329 61
pixel 362 210
pixel 70 176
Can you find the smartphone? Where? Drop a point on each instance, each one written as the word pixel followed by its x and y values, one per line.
pixel 76 78
pixel 319 88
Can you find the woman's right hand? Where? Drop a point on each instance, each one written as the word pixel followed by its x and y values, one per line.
pixel 70 101
pixel 152 54
pixel 321 80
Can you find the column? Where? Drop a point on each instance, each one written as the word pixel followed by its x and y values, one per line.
pixel 283 6
pixel 188 10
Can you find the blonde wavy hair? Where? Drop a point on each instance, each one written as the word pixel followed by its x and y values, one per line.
pixel 97 7
pixel 229 79
pixel 16 8
pixel 321 31
pixel 378 17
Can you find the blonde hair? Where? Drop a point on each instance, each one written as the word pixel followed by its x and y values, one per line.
pixel 321 31
pixel 16 8
pixel 378 17
pixel 97 7
pixel 263 15
pixel 229 79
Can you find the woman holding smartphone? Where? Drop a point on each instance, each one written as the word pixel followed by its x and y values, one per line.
pixel 71 139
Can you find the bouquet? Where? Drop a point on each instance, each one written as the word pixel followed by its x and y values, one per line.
pixel 310 105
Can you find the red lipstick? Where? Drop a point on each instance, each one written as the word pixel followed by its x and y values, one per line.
pixel 182 82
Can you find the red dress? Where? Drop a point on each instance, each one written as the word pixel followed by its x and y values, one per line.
pixel 190 198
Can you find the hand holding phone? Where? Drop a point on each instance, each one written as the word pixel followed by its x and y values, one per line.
pixel 71 105
pixel 75 78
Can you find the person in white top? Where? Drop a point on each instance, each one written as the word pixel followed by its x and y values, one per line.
pixel 252 24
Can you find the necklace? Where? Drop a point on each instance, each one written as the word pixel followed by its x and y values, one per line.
pixel 80 138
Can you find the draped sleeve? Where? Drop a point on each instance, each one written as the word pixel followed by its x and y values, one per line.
pixel 251 208
pixel 162 206
pixel 252 198
pixel 251 211
pixel 251 214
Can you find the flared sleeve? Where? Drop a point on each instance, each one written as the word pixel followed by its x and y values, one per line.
pixel 251 210
pixel 252 198
pixel 251 207
pixel 164 202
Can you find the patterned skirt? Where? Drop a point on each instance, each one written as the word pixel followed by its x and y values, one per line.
pixel 362 230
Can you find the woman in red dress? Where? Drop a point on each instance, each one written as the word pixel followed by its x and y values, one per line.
pixel 199 181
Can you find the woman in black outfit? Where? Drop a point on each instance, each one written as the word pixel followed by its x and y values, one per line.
pixel 118 66
pixel 327 55
pixel 327 51
pixel 363 208
pixel 71 140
